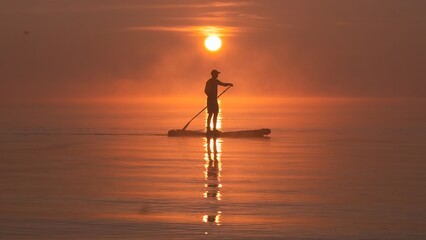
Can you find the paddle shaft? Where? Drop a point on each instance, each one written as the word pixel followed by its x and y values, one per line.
pixel 204 109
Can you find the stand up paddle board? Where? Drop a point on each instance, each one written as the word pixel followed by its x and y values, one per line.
pixel 236 134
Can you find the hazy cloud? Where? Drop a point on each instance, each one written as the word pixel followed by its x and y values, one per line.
pixel 194 4
pixel 219 18
pixel 194 30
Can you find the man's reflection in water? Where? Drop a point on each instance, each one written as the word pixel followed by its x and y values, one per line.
pixel 212 176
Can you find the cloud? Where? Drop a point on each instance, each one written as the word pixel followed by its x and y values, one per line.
pixel 194 30
pixel 186 5
pixel 83 6
pixel 215 18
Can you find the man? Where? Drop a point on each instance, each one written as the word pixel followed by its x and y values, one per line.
pixel 211 92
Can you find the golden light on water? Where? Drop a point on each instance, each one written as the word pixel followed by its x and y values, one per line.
pixel 213 150
pixel 213 218
pixel 213 179
pixel 213 168
pixel 213 43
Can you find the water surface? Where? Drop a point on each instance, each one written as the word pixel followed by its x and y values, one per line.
pixel 350 170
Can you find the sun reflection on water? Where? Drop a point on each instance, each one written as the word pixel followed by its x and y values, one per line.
pixel 213 168
pixel 213 178
pixel 213 218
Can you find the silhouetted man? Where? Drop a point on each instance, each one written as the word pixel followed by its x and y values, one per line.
pixel 211 92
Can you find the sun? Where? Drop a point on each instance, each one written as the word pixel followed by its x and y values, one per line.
pixel 213 43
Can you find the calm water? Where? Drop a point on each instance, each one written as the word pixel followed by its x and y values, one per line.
pixel 346 170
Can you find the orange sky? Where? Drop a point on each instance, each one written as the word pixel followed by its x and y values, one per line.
pixel 77 49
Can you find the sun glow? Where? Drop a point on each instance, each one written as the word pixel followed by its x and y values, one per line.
pixel 213 43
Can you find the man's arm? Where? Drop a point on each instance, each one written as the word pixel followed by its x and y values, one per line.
pixel 224 84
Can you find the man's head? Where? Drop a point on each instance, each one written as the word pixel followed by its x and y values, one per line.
pixel 215 73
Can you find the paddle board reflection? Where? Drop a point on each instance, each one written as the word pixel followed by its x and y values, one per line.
pixel 213 179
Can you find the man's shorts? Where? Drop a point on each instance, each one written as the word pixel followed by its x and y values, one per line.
pixel 212 105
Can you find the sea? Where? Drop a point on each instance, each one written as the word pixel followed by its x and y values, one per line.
pixel 335 168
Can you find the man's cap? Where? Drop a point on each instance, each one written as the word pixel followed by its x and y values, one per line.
pixel 215 71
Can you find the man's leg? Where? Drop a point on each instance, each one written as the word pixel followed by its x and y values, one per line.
pixel 209 118
pixel 215 120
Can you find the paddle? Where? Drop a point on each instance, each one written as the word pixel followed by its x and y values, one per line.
pixel 204 109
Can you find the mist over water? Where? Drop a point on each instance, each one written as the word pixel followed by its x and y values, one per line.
pixel 161 114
